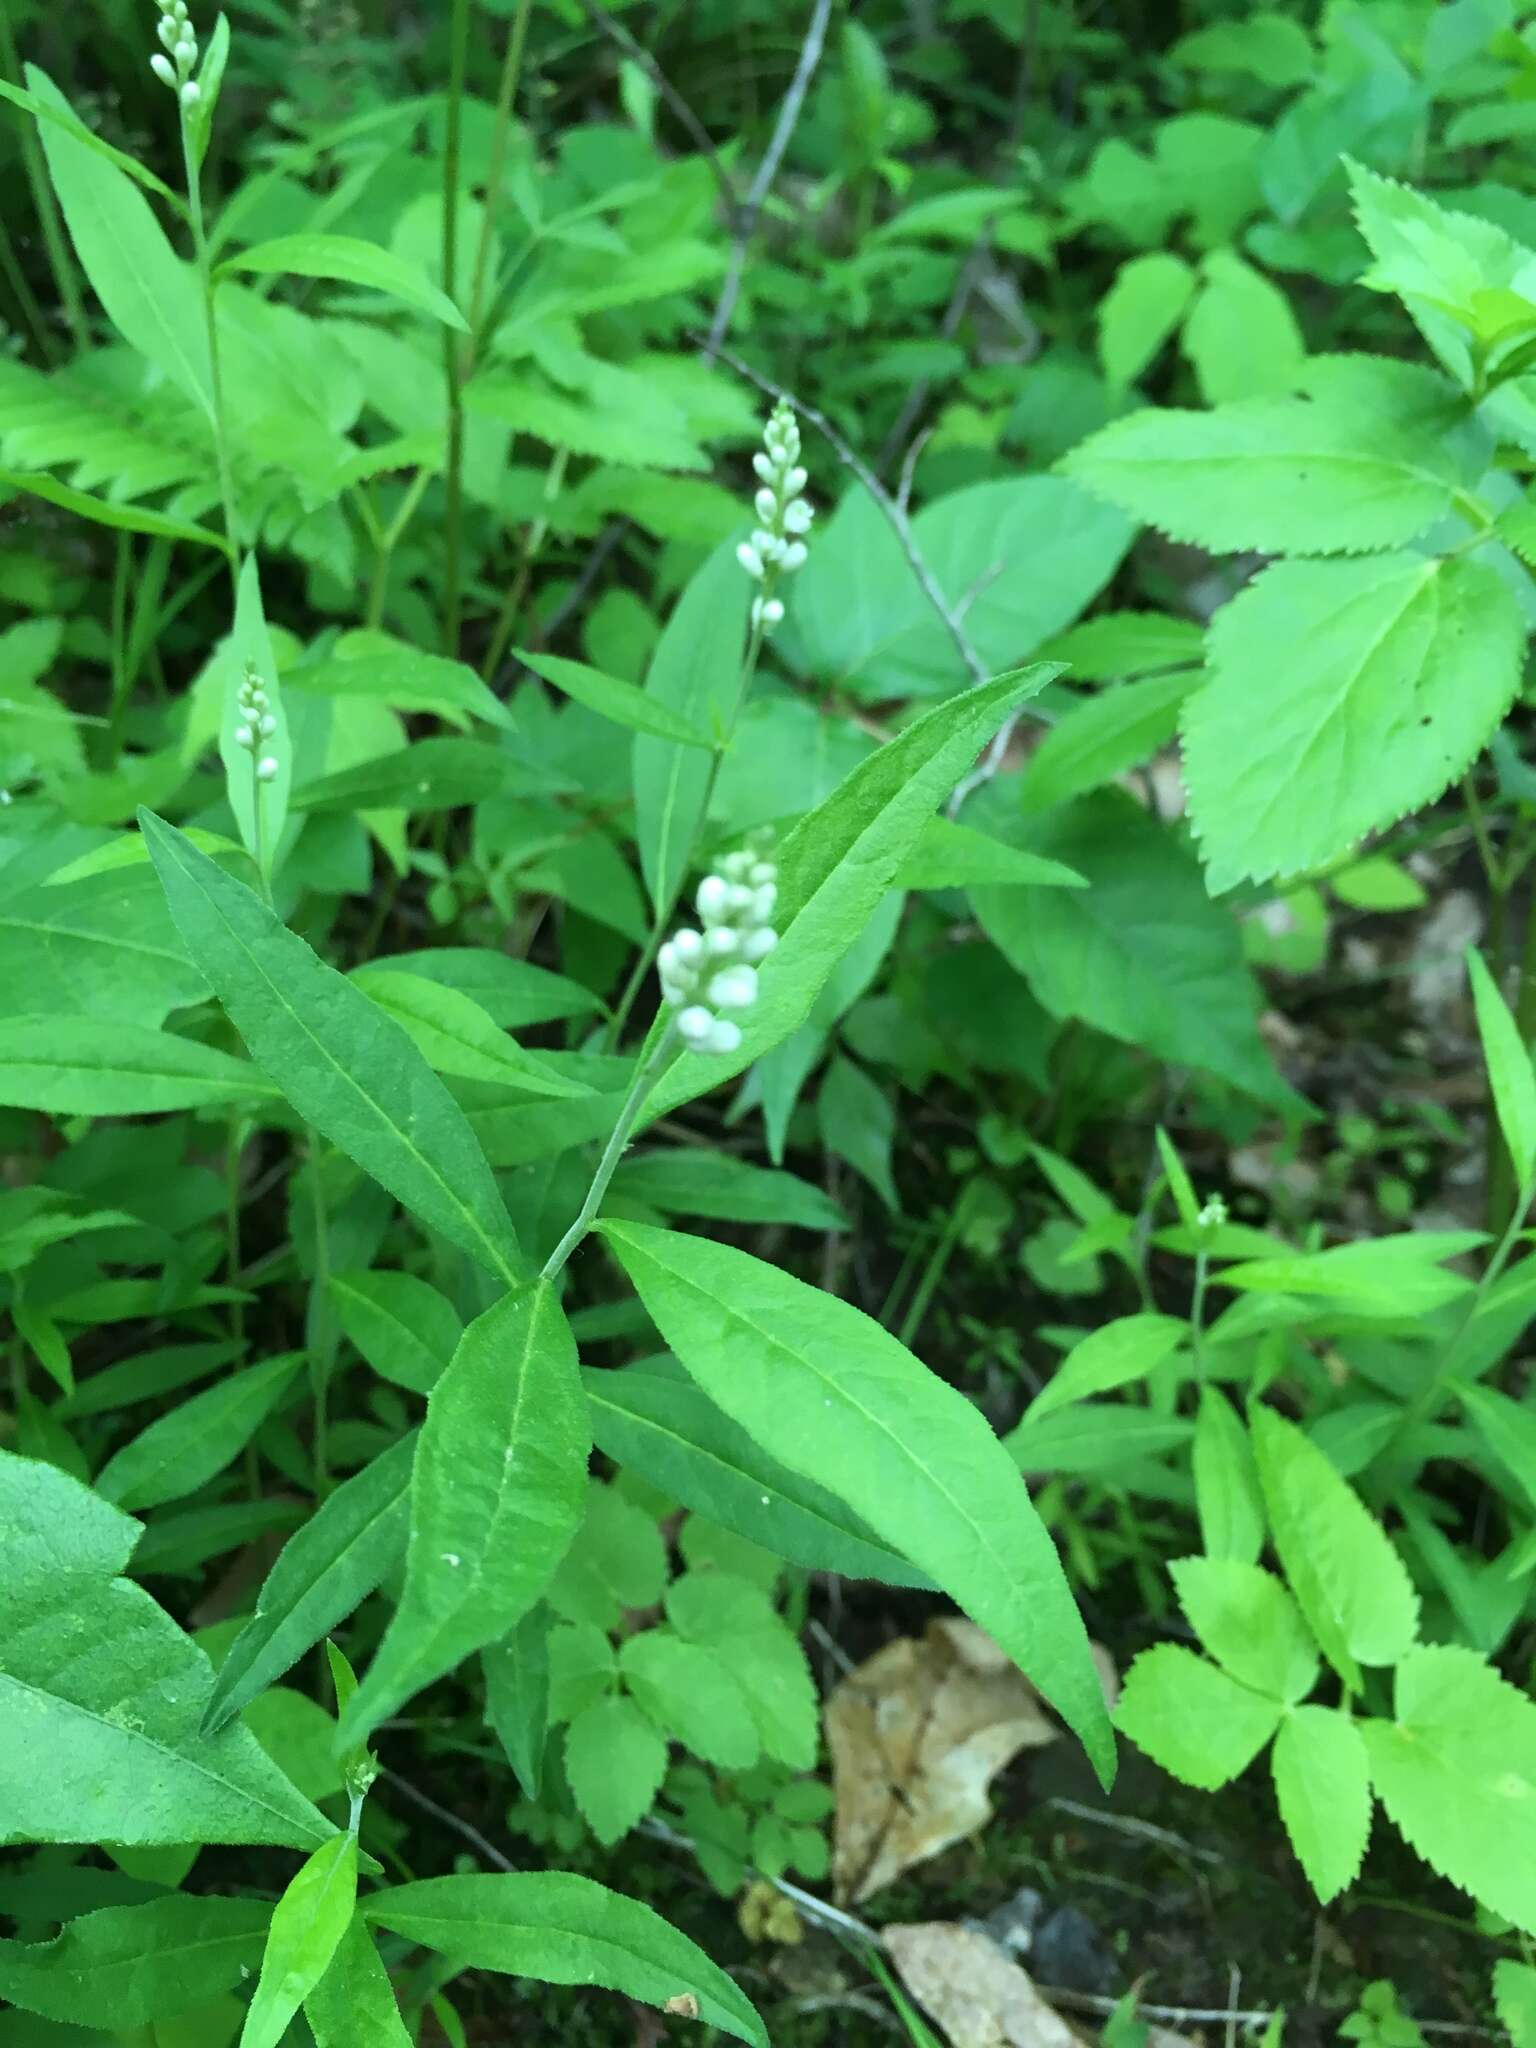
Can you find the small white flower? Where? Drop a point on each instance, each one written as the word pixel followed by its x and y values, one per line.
pixel 734 988
pixel 767 611
pixel 266 769
pixel 714 898
pixel 791 554
pixel 759 944
pixel 696 1026
pixel 750 560
pixel 163 69
pixel 724 1036
pixel 244 737
pixel 191 93
pixel 798 516
pixel 266 725
pixel 721 942
pixel 765 504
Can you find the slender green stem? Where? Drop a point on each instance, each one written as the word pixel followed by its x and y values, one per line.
pixel 668 905
pixel 60 261
pixel 511 72
pixel 511 610
pixel 323 1356
pixel 26 298
pixel 232 531
pixel 120 671
pixel 1423 1403
pixel 386 542
pixel 1197 1310
pixel 648 1070
pixel 453 361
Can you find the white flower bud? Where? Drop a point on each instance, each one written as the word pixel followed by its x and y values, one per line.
pixel 759 944
pixel 765 467
pixel 695 1027
pixel 713 899
pixel 798 515
pixel 266 725
pixel 795 480
pixel 185 53
pixel 791 554
pixel 750 560
pixel 734 988
pixel 763 902
pixel 266 768
pixel 163 69
pixel 767 611
pixel 244 737
pixel 688 945
pixel 766 505
pixel 191 93
pixel 724 1036
pixel 761 871
pixel 167 31
pixel 722 942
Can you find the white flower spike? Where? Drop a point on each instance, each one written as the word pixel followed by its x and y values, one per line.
pixel 706 972
pixel 775 548
pixel 175 70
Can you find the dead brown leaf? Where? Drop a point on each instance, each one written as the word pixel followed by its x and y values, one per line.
pixel 968 1987
pixel 917 1733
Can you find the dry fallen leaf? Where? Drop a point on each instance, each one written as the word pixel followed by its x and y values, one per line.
pixel 968 1987
pixel 684 2005
pixel 917 1733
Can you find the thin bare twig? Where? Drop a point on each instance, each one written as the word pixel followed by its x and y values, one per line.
pixel 1127 1824
pixel 965 283
pixel 757 192
pixel 471 1834
pixel 1216 2015
pixel 637 53
pixel 895 517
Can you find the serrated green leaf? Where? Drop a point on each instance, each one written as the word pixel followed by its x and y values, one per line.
pixel 1323 1789
pixel 1347 1578
pixel 1370 459
pixel 348 260
pixel 308 1922
pixel 497 1490
pixel 181 1450
pixel 689 1691
pixel 137 1963
pixel 346 1068
pixel 831 1394
pixel 1101 737
pixel 615 1760
pixel 564 1929
pixel 1192 1718
pixel 1456 1772
pixel 1227 1494
pixel 1249 1623
pixel 1241 336
pixel 1404 661
pixel 737 1622
pixel 1514 1997
pixel 321 1574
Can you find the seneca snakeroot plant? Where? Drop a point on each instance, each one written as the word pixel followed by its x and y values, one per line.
pixel 174 64
pixel 706 972
pixel 776 547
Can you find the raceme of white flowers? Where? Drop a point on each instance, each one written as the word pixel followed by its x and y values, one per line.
pixel 257 723
pixel 776 547
pixel 704 973
pixel 173 65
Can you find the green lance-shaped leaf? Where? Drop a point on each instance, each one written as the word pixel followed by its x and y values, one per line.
pixel 1510 1074
pixel 403 1327
pixel 181 1450
pixel 640 710
pixel 346 1067
pixel 839 862
pixel 101 1694
pixel 670 1430
pixel 695 675
pixel 259 802
pixel 106 511
pixel 151 297
pixel 348 260
pixel 96 1066
pixel 308 1922
pixel 136 1964
pixel 1112 1356
pixel 322 1573
pixel 517 1696
pixel 564 1929
pixel 497 1493
pixel 828 1392
pixel 353 2005
pixel 1348 1580
pixel 1406 661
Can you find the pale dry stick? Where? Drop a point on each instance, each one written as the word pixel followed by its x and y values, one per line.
pixel 467 1829
pixel 954 313
pixel 638 54
pixel 1217 2015
pixel 1126 1824
pixel 762 184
